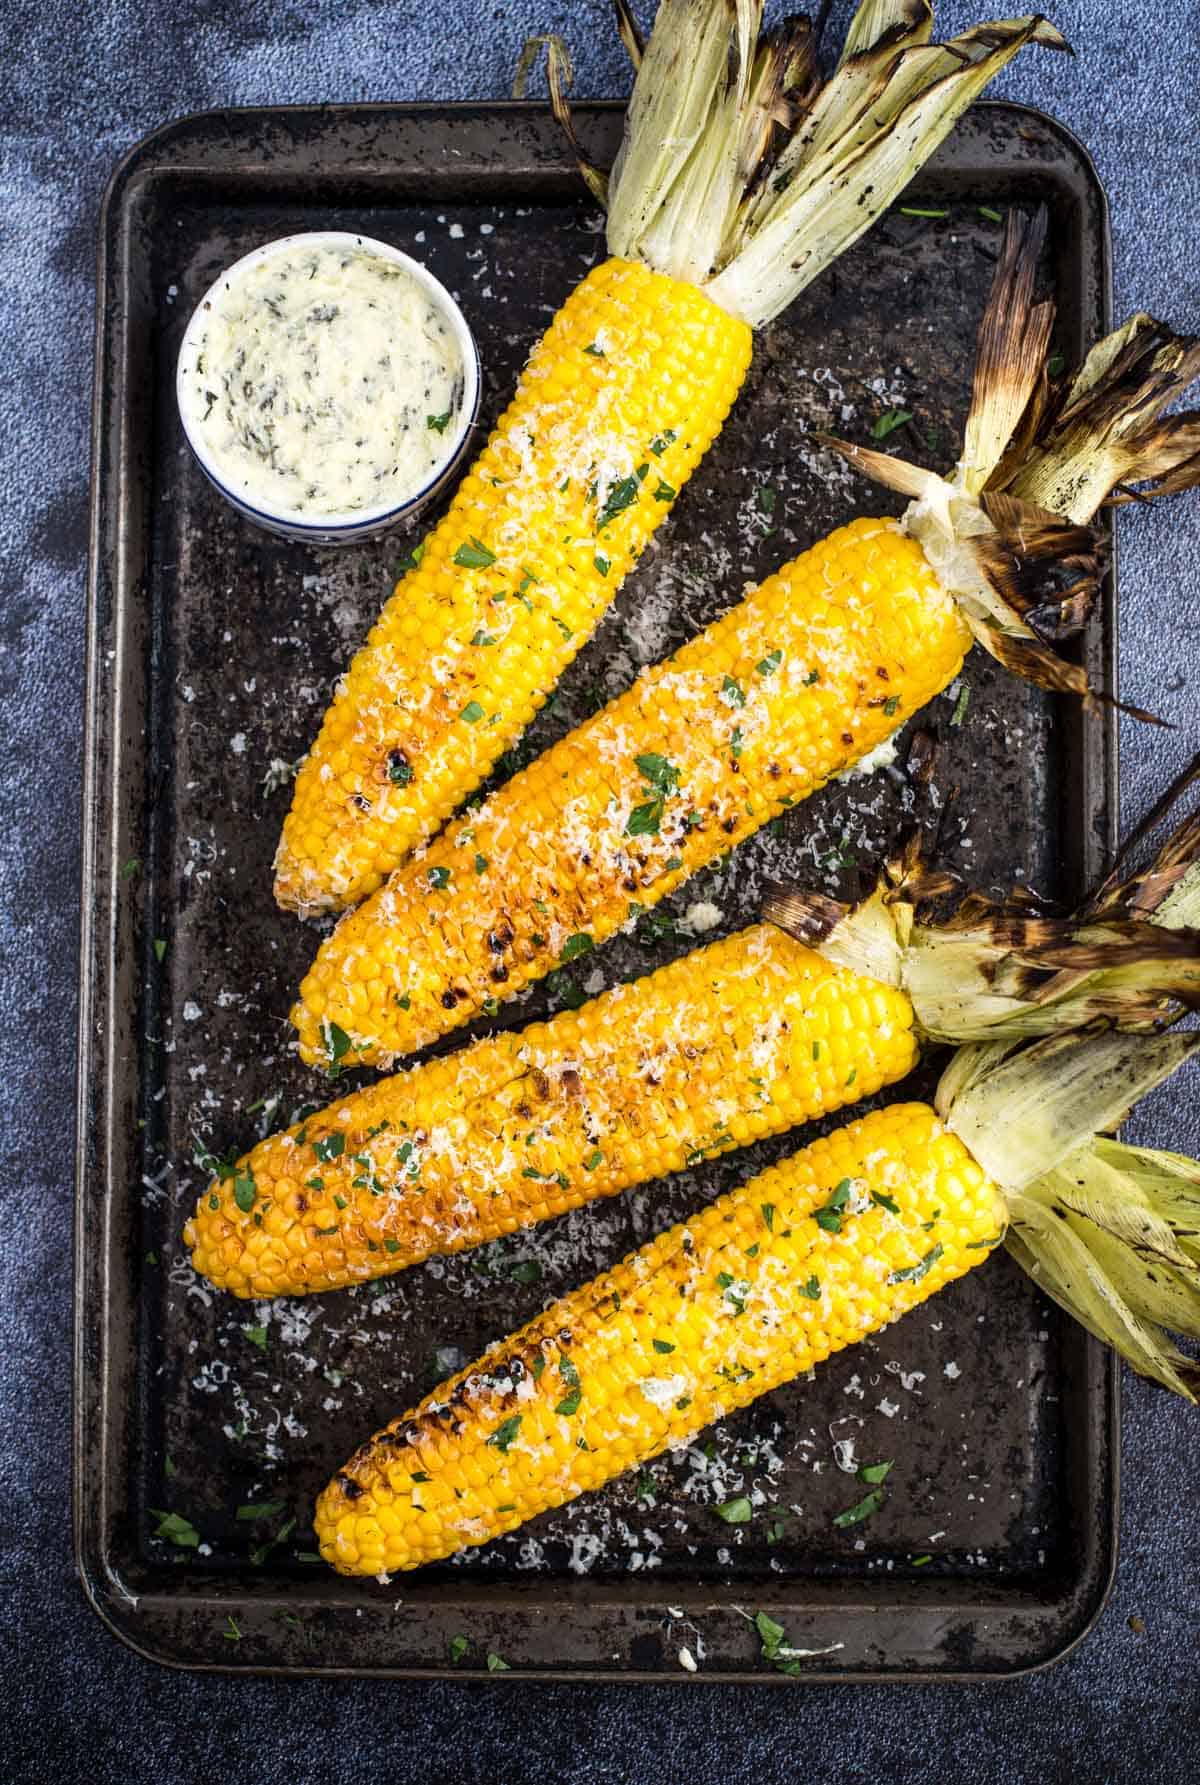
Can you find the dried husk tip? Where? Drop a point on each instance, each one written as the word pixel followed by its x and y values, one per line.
pixel 746 172
pixel 1010 531
pixel 988 969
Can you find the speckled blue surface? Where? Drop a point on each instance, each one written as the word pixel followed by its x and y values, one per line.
pixel 80 86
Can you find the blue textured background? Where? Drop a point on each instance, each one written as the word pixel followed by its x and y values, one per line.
pixel 78 87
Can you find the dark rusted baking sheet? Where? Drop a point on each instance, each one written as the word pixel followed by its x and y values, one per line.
pixel 212 651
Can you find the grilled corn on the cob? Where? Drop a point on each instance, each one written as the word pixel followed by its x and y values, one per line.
pixel 744 1038
pixel 803 1260
pixel 741 1039
pixel 822 662
pixel 721 208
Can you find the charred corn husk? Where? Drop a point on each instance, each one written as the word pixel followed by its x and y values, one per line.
pixel 803 677
pixel 741 1039
pixel 740 179
pixel 744 1038
pixel 801 1261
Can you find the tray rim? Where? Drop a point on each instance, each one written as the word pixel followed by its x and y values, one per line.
pixel 105 1591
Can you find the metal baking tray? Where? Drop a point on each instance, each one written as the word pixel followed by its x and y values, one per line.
pixel 211 652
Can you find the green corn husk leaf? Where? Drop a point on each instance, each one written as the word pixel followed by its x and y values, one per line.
pixel 1089 1280
pixel 877 121
pixel 671 184
pixel 912 20
pixel 1168 1183
pixel 1020 1111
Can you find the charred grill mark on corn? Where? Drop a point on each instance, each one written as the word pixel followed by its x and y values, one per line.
pixel 744 1038
pixel 751 1292
pixel 744 721
pixel 617 405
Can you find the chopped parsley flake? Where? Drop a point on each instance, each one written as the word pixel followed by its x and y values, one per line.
pixel 472 712
pixel 329 1147
pixel 257 1335
pixel 854 1515
pixel 176 1529
pixel 505 1432
pixel 580 943
pixel 620 495
pixel 260 1509
pixel 735 1512
pixel 770 663
pixel 888 422
pixel 914 1273
pixel 439 423
pixel 438 878
pixel 474 555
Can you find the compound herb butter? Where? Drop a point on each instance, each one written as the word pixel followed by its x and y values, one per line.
pixel 323 379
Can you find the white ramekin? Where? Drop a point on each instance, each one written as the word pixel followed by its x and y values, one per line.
pixel 333 528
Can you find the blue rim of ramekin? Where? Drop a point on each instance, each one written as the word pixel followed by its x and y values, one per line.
pixel 325 531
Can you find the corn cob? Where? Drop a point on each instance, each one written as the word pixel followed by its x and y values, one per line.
pixel 803 1260
pixel 717 185
pixel 744 1038
pixel 809 673
pixel 821 663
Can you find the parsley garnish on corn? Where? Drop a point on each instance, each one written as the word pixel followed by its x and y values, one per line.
pixel 744 1038
pixel 729 198
pixel 809 673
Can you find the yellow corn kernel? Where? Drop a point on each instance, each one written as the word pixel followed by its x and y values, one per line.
pixel 808 673
pixel 617 405
pixel 750 1292
pixel 741 1039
